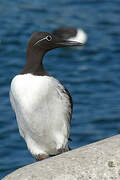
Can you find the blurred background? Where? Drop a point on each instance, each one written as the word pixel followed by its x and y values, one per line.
pixel 91 74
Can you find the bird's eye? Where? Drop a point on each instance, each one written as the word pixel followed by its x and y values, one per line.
pixel 49 38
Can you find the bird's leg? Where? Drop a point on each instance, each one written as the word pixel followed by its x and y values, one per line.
pixel 40 157
pixel 61 150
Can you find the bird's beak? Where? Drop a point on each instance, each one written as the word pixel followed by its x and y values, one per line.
pixel 67 43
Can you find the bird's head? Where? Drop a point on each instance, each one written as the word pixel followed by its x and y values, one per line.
pixel 44 41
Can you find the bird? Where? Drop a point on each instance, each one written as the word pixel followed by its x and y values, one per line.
pixel 70 33
pixel 43 106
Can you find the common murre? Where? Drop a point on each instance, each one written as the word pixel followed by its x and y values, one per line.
pixel 42 105
pixel 71 34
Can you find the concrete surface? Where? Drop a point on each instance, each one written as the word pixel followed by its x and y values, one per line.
pixel 97 161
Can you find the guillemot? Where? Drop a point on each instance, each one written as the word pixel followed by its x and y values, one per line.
pixel 43 106
pixel 71 34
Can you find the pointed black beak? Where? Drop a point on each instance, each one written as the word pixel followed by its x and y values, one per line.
pixel 67 43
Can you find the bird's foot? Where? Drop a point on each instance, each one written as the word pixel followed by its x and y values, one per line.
pixel 61 150
pixel 40 157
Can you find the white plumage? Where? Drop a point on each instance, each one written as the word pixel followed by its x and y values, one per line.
pixel 43 112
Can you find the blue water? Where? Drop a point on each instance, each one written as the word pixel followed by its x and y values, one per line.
pixel 92 74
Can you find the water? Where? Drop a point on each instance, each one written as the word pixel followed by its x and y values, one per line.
pixel 92 74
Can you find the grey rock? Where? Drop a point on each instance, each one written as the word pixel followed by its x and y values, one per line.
pixel 97 161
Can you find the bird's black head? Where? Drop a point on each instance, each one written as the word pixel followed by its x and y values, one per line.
pixel 44 41
pixel 38 45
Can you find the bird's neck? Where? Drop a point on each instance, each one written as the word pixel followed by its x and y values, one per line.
pixel 34 63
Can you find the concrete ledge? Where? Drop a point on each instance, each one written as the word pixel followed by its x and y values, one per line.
pixel 97 161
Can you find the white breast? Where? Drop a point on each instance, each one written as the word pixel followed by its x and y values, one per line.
pixel 42 111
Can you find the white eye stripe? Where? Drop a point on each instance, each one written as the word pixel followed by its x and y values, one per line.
pixel 43 39
pixel 39 41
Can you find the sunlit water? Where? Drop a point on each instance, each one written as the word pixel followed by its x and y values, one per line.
pixel 91 74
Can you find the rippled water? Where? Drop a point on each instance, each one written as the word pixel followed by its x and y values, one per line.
pixel 92 74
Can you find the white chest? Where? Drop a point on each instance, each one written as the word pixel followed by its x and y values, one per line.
pixel 38 99
pixel 41 108
pixel 30 88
